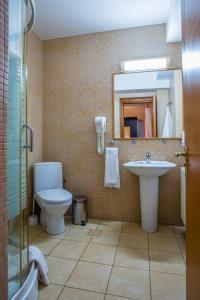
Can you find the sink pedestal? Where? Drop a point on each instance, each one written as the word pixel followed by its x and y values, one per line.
pixel 149 172
pixel 149 203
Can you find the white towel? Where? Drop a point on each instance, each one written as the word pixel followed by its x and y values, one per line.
pixel 167 130
pixel 35 255
pixel 14 261
pixel 112 177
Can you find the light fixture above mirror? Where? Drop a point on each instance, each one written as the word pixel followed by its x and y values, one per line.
pixel 158 63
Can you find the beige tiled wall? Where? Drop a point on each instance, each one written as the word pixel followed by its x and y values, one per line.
pixel 35 101
pixel 78 87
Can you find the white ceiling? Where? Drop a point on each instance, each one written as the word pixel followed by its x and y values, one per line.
pixel 62 18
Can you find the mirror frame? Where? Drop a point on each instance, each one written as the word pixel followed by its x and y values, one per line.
pixel 113 111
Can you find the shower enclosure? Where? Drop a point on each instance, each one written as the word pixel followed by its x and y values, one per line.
pixel 21 15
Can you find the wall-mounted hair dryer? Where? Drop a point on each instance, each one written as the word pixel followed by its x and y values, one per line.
pixel 100 123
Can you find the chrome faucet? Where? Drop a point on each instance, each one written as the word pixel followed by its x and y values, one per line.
pixel 148 157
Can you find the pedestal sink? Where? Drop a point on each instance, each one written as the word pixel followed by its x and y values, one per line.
pixel 149 171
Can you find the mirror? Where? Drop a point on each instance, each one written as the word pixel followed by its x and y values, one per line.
pixel 148 104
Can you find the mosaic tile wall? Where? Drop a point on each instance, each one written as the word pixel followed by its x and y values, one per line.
pixel 77 88
pixel 3 122
pixel 35 102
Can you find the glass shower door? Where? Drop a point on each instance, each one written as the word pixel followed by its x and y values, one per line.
pixel 16 156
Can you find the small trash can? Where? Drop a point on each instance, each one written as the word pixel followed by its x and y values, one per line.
pixel 79 210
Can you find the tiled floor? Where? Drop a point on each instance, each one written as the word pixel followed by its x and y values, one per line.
pixel 110 260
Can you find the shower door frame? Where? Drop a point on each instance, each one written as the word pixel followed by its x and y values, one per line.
pixel 3 145
pixel 23 157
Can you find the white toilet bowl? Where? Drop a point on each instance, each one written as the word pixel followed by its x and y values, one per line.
pixel 53 200
pixel 54 204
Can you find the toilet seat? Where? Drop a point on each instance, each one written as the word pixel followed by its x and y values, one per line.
pixel 55 196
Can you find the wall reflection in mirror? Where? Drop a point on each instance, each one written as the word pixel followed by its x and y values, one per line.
pixel 148 104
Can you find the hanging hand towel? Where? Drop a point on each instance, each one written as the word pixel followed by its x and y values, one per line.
pixel 35 255
pixel 167 130
pixel 112 177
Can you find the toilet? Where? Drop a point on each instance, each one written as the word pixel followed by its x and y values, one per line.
pixel 53 200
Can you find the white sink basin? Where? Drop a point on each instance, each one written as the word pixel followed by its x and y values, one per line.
pixel 149 171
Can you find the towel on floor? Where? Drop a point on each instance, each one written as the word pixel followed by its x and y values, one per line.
pixel 14 262
pixel 35 255
pixel 112 177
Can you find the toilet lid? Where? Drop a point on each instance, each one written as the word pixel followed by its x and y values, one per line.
pixel 55 196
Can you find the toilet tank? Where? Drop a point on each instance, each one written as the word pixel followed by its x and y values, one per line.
pixel 47 175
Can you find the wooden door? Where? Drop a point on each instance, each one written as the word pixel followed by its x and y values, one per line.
pixel 191 77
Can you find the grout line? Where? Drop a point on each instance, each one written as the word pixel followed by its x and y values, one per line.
pixel 61 257
pixel 113 262
pixel 175 274
pixel 71 273
pixel 177 240
pixel 76 288
pixel 60 293
pixel 112 266
pixel 77 263
pixel 54 247
pixel 121 297
pixel 84 251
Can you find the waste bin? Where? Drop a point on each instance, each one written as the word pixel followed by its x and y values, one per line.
pixel 79 210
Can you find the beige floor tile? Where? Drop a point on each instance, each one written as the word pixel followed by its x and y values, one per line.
pixel 164 230
pixel 110 297
pixel 182 245
pixel 167 262
pixel 103 254
pixel 180 231
pixel 70 226
pixel 107 238
pixel 111 222
pixel 134 284
pixel 31 237
pixel 95 232
pixel 56 236
pixel 132 258
pixel 110 225
pixel 137 241
pixel 51 292
pixel 69 249
pixel 79 234
pixel 46 245
pixel 93 223
pixel 90 276
pixel 136 228
pixel 163 243
pixel 76 294
pixel 35 230
pixel 60 269
pixel 168 286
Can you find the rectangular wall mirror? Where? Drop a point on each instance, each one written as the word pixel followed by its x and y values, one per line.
pixel 148 104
